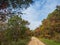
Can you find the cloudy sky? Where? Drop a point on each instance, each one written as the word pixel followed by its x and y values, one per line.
pixel 38 11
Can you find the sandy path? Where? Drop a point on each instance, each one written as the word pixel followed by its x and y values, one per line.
pixel 35 41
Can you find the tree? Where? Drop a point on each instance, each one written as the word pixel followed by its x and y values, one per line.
pixel 16 28
pixel 10 7
pixel 50 27
pixel 15 3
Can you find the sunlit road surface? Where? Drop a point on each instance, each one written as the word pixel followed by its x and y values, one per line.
pixel 35 41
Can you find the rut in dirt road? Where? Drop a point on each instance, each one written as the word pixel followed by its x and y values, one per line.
pixel 35 41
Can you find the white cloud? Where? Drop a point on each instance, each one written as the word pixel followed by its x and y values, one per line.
pixel 38 11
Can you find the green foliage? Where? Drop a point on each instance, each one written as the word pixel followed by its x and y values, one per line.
pixel 16 32
pixel 17 26
pixel 20 42
pixel 49 42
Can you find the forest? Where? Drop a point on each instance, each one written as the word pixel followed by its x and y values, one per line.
pixel 50 27
pixel 14 29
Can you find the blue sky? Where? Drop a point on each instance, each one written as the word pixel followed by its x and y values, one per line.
pixel 38 11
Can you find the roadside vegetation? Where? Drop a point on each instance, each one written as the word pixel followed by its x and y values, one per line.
pixel 15 32
pixel 50 28
pixel 13 29
pixel 49 42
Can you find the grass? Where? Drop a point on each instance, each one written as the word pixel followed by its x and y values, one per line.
pixel 49 42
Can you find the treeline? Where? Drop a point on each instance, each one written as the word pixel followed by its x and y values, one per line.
pixel 50 27
pixel 14 30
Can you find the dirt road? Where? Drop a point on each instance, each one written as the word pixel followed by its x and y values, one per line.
pixel 35 41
